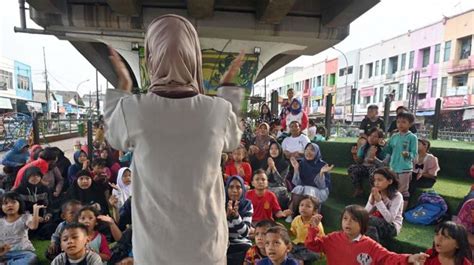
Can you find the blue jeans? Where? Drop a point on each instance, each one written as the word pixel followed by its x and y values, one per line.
pixel 20 257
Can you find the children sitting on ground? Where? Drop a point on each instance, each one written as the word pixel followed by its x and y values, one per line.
pixel 89 217
pixel 257 252
pixel 320 136
pixel 351 246
pixel 100 172
pixel 311 176
pixel 450 246
pixel 238 166
pixel 85 190
pixel 239 218
pixel 308 207
pixel 425 167
pixel 385 206
pixel 361 141
pixel 74 240
pixel 370 156
pixel 265 203
pixel 69 210
pixel 15 245
pixel 277 247
pixel 293 145
pixel 259 148
pixel 81 163
pixel 372 120
pixel 403 148
pixel 123 190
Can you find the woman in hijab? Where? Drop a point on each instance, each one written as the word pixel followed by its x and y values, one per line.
pixel 239 218
pixel 260 146
pixel 80 157
pixel 175 121
pixel 296 114
pixel 311 176
pixel 277 168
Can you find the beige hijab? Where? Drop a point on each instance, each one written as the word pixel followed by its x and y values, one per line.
pixel 173 57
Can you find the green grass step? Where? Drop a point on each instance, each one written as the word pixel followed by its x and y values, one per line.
pixel 452 190
pixel 412 238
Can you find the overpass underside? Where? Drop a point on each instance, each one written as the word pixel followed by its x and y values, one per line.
pixel 272 32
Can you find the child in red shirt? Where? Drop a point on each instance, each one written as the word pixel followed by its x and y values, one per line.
pixel 450 246
pixel 238 167
pixel 356 248
pixel 265 203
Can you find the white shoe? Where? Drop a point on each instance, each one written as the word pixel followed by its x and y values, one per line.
pixel 289 219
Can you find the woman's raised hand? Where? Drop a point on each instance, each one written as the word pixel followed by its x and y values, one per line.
pixel 124 80
pixel 327 168
pixel 294 163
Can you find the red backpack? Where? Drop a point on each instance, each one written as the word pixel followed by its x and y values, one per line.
pixel 466 215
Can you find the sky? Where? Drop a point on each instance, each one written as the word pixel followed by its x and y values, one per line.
pixel 67 67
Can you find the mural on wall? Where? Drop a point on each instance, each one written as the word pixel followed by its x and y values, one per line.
pixel 214 65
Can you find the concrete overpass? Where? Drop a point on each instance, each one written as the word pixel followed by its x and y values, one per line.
pixel 282 29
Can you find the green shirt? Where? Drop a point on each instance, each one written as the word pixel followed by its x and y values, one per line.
pixel 397 144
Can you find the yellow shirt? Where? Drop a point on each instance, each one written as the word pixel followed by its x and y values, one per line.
pixel 300 230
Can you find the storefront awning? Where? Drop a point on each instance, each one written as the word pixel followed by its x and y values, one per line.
pixel 468 115
pixel 5 103
pixel 425 113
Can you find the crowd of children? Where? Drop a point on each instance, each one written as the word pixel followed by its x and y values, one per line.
pixel 274 174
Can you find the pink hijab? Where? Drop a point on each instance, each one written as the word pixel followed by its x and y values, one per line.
pixel 173 57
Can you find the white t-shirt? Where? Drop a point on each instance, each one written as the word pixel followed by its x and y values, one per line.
pixel 16 234
pixel 293 144
pixel 178 191
pixel 311 132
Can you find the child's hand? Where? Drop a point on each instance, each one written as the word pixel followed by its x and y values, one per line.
pixel 373 151
pixel 316 220
pixel 113 186
pixel 106 219
pixel 327 168
pixel 287 212
pixel 405 154
pixel 354 150
pixel 294 163
pixel 4 249
pixel 418 258
pixel 85 165
pixel 376 195
pixel 37 207
pixel 113 200
pixel 382 142
pixel 53 249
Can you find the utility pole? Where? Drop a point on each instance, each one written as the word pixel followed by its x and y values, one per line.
pixel 97 91
pixel 48 113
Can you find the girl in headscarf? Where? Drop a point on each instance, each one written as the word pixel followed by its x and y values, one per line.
pixel 239 218
pixel 110 163
pixel 311 176
pixel 85 190
pixel 276 167
pixel 80 159
pixel 260 146
pixel 174 121
pixel 123 190
pixel 296 114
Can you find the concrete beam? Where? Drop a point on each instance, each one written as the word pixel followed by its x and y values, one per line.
pixel 130 8
pixel 97 54
pixel 339 13
pixel 200 9
pixel 277 62
pixel 49 6
pixel 273 11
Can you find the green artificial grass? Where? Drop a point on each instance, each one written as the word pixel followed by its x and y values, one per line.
pixel 41 246
pixel 434 143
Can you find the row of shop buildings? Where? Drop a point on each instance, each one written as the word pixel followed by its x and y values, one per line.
pixel 440 52
pixel 17 94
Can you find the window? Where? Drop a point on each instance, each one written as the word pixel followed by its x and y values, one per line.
pixel 460 80
pixel 392 65
pixel 400 92
pixel 375 95
pixel 437 52
pixel 6 80
pixel 444 86
pixel 358 97
pixel 377 66
pixel 369 68
pixel 403 62
pixel 411 60
pixel 382 69
pixel 366 100
pixel 426 57
pixel 381 94
pixel 319 81
pixel 434 84
pixel 23 82
pixel 447 51
pixel 422 96
pixel 350 70
pixel 341 71
pixel 465 47
pixel 360 71
pixel 332 79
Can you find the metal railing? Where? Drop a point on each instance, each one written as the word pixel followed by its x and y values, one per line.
pixel 59 126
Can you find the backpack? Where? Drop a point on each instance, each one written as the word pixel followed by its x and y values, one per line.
pixel 430 209
pixel 466 215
